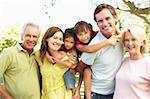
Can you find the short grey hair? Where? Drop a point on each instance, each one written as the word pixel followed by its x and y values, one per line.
pixel 32 25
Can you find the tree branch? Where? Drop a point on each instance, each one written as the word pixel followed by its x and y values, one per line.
pixel 135 9
pixel 144 18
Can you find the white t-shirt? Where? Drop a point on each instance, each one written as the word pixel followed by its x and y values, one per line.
pixel 104 64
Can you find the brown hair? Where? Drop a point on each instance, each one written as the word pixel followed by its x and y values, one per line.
pixel 105 6
pixel 44 46
pixel 82 26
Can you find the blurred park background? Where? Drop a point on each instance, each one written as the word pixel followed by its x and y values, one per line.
pixel 64 13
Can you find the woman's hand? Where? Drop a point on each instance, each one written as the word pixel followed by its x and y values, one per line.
pixel 50 58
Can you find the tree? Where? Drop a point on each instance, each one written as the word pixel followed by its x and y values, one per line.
pixel 10 38
pixel 129 8
pixel 143 13
pixel 47 5
pixel 136 9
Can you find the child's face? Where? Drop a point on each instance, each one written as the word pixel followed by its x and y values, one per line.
pixel 69 42
pixel 84 37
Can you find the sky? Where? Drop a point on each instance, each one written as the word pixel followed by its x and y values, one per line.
pixel 64 14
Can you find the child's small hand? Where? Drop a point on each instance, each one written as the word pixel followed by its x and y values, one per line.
pixel 77 94
pixel 113 40
pixel 50 58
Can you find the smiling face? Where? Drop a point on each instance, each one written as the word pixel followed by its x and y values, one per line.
pixel 83 31
pixel 30 38
pixel 84 37
pixel 106 22
pixel 69 43
pixel 132 43
pixel 55 42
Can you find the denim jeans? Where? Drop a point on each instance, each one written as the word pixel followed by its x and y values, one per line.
pixel 100 96
pixel 69 79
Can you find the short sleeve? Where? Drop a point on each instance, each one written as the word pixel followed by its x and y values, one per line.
pixel 88 58
pixel 4 64
pixel 77 43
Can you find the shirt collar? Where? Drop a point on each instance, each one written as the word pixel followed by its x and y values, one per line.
pixel 20 49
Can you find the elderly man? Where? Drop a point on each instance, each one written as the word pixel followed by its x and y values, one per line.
pixel 19 74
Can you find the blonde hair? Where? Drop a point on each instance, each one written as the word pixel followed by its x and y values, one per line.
pixel 140 34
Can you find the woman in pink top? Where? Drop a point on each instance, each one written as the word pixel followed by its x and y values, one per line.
pixel 133 78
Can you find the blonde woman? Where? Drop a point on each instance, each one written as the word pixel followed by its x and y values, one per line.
pixel 133 78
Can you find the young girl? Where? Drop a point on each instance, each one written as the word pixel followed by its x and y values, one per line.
pixel 53 85
pixel 85 34
pixel 69 48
